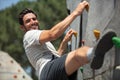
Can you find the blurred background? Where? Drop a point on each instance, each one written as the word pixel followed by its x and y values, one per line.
pixel 49 13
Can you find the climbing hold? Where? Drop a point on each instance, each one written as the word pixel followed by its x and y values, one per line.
pixel 81 69
pixel 23 76
pixel 116 41
pixel 75 34
pixel 83 42
pixel 15 76
pixel 19 70
pixel 87 8
pixel 11 61
pixel 97 34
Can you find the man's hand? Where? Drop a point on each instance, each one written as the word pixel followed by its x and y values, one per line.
pixel 81 6
pixel 64 42
pixel 69 35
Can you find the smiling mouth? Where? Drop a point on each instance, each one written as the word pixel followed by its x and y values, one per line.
pixel 34 27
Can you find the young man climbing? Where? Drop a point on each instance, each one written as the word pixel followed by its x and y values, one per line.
pixel 55 65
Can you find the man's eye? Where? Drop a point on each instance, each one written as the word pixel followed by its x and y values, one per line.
pixel 34 19
pixel 27 20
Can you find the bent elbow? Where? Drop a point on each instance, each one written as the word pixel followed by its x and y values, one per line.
pixel 53 35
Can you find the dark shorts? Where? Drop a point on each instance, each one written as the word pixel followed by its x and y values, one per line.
pixel 55 70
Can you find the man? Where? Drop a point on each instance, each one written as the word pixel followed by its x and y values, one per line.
pixel 49 63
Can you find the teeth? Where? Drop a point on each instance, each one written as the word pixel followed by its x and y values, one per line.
pixel 34 26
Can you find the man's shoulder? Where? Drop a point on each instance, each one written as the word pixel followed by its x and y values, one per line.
pixel 32 37
pixel 32 32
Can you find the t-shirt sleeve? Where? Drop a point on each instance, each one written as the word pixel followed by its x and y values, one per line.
pixel 32 37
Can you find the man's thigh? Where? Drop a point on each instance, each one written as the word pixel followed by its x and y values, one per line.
pixel 55 70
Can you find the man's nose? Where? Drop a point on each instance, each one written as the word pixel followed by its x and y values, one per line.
pixel 32 20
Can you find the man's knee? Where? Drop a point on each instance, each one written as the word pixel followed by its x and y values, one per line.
pixel 81 55
pixel 82 51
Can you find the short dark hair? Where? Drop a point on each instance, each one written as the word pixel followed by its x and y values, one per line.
pixel 24 12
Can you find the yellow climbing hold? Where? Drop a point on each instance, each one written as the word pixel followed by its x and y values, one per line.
pixel 97 34
pixel 87 8
pixel 75 34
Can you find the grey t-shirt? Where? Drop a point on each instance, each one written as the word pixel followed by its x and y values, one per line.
pixel 38 54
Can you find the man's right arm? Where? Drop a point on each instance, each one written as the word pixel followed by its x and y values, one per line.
pixel 57 30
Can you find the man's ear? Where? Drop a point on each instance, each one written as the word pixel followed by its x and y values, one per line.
pixel 23 28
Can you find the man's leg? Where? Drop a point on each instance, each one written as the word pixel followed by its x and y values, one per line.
pixel 75 59
pixel 83 55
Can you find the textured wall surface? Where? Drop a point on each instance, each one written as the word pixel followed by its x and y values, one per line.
pixel 10 69
pixel 102 15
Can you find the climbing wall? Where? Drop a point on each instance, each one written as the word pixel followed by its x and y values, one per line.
pixel 10 69
pixel 79 25
pixel 102 15
pixel 76 24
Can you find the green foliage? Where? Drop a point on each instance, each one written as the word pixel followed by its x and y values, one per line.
pixel 49 12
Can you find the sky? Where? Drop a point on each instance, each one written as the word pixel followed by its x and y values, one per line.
pixel 7 3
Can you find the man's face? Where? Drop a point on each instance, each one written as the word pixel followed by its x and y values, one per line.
pixel 30 22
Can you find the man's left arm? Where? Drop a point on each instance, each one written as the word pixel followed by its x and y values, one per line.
pixel 63 46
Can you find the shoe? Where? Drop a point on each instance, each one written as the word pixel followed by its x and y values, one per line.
pixel 104 44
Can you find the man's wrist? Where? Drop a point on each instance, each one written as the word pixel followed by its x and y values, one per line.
pixel 75 13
